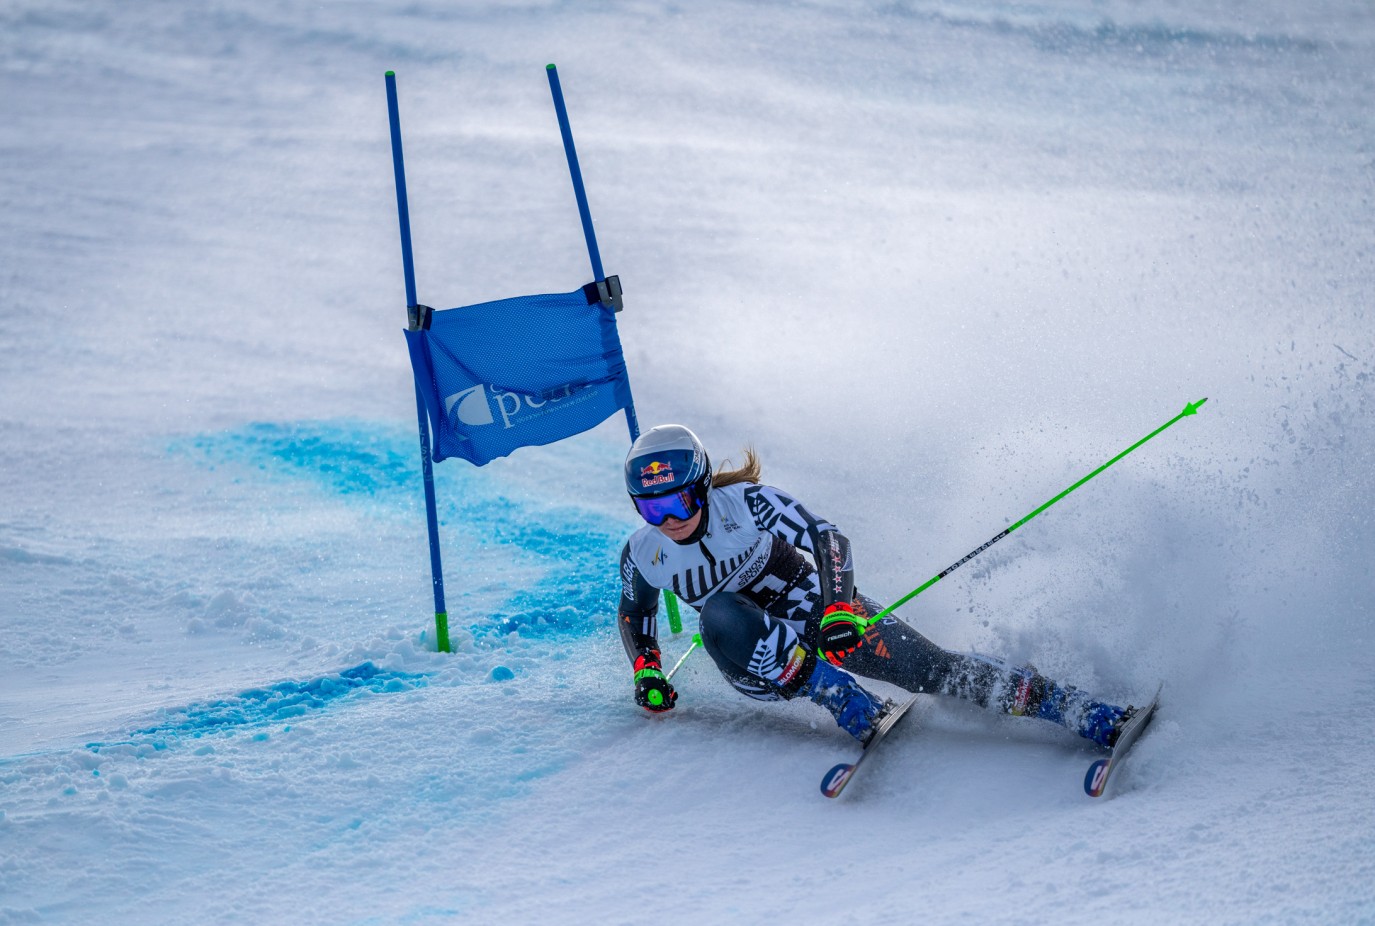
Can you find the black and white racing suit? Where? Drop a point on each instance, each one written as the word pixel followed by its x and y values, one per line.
pixel 761 603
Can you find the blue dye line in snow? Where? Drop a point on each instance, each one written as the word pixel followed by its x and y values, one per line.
pixel 348 457
pixel 576 549
pixel 578 594
pixel 282 702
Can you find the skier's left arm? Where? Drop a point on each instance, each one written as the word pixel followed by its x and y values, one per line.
pixel 787 518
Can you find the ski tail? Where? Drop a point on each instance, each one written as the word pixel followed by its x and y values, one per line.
pixel 836 779
pixel 1097 778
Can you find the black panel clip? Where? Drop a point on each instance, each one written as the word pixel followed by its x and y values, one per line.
pixel 607 292
pixel 419 317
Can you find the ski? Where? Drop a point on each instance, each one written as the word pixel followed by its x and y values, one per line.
pixel 1096 781
pixel 837 778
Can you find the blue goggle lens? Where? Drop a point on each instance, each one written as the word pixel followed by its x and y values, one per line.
pixel 682 505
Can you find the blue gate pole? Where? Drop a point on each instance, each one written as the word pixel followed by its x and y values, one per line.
pixel 631 420
pixel 441 617
pixel 568 149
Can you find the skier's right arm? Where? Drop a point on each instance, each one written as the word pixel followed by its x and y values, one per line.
pixel 637 617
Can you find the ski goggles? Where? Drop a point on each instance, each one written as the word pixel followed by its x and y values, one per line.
pixel 682 505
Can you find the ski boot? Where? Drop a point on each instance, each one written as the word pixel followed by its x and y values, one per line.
pixel 1103 723
pixel 1033 695
pixel 856 711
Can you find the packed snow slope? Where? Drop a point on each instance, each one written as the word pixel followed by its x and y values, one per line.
pixel 934 260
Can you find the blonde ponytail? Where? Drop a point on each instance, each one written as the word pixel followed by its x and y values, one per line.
pixel 749 472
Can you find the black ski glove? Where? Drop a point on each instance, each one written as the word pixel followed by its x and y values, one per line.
pixel 841 633
pixel 652 690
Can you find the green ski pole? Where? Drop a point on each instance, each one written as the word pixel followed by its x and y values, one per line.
pixel 696 642
pixel 1190 408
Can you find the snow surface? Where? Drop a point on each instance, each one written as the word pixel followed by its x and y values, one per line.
pixel 935 260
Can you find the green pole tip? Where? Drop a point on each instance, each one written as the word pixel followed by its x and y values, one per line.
pixel 1191 408
pixel 697 638
pixel 549 67
pixel 655 697
pixel 391 74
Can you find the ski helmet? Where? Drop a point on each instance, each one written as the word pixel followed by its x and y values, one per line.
pixel 667 473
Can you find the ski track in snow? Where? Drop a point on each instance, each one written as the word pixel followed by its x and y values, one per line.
pixel 936 261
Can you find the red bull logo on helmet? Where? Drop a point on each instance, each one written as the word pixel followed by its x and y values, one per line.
pixel 655 474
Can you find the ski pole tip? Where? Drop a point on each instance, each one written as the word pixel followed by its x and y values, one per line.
pixel 1191 408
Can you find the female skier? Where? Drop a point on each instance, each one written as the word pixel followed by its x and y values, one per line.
pixel 778 626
